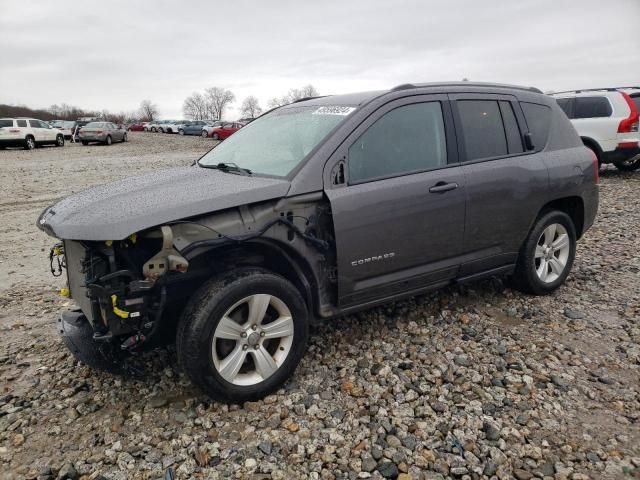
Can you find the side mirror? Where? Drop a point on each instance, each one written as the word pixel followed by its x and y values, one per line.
pixel 528 141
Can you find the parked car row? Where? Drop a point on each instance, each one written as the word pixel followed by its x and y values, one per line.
pixel 216 129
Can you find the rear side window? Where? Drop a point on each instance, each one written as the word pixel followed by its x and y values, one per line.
pixel 592 107
pixel 538 118
pixel 22 123
pixel 482 127
pixel 6 123
pixel 566 104
pixel 407 139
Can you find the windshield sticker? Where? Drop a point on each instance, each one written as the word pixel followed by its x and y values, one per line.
pixel 334 110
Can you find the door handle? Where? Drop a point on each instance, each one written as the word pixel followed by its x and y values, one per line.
pixel 442 187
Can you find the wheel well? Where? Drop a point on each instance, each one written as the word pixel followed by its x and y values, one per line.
pixel 265 254
pixel 593 145
pixel 572 206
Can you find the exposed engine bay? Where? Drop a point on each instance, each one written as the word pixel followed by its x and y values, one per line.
pixel 132 291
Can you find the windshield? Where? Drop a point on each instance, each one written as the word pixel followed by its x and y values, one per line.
pixel 276 143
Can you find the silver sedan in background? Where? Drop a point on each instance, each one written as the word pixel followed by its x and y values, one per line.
pixel 103 132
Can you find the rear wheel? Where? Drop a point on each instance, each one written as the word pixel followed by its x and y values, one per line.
pixel 628 165
pixel 108 140
pixel 242 335
pixel 215 136
pixel 124 138
pixel 153 129
pixel 60 141
pixel 204 134
pixel 29 143
pixel 547 255
pixel 181 132
pixel 84 142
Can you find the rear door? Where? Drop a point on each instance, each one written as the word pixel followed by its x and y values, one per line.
pixel 397 200
pixel 505 181
pixel 39 131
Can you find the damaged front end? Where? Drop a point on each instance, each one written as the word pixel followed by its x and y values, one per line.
pixel 121 288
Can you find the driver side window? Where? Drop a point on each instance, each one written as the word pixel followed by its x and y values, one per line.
pixel 408 139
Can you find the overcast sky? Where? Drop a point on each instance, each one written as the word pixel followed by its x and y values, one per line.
pixel 113 54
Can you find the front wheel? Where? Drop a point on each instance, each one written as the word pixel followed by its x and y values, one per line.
pixel 85 142
pixel 547 255
pixel 204 134
pixel 628 165
pixel 215 136
pixel 242 335
pixel 59 141
pixel 108 140
pixel 181 132
pixel 124 138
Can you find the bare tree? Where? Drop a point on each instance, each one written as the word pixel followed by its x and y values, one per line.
pixel 218 99
pixel 250 107
pixel 195 106
pixel 148 110
pixel 292 95
pixel 55 110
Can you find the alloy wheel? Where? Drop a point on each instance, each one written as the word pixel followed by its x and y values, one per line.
pixel 552 253
pixel 253 339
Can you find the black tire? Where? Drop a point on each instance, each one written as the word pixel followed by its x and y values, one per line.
pixel 108 140
pixel 204 312
pixel 525 277
pixel 84 142
pixel 124 138
pixel 628 165
pixel 215 136
pixel 153 129
pixel 204 134
pixel 60 141
pixel 29 143
pixel 181 132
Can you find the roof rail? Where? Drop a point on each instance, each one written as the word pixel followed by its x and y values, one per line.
pixel 605 89
pixel 407 86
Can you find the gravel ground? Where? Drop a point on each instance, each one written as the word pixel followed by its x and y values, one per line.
pixel 468 382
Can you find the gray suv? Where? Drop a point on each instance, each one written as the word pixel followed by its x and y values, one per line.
pixel 317 209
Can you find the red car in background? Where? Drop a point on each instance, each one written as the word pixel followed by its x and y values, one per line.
pixel 226 130
pixel 136 127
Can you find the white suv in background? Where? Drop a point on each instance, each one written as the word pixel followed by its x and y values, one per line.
pixel 28 133
pixel 607 121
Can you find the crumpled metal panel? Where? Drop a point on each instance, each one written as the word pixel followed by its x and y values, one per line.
pixel 116 210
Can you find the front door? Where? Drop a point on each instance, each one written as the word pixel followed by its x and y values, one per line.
pixel 399 212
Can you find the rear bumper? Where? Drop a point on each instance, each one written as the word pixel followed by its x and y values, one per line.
pixel 591 200
pixel 620 154
pixel 91 138
pixel 12 142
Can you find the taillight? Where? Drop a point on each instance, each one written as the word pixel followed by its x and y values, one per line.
pixel 596 166
pixel 629 124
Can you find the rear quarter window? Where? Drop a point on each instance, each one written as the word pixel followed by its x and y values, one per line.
pixel 538 118
pixel 6 123
pixel 592 107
